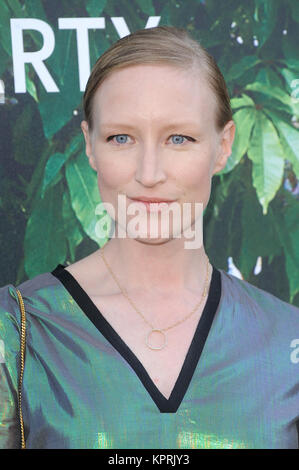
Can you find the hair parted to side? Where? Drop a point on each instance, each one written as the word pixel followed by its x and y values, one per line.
pixel 165 45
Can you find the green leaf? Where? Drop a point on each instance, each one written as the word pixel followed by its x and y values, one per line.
pixel 295 10
pixel 259 236
pixel 265 16
pixel 45 241
pixel 52 169
pixel 4 28
pixel 5 61
pixel 272 92
pixel 289 76
pixel 289 137
pixel 147 7
pixel 245 100
pixel 292 80
pixel 292 63
pixel 30 86
pixel 57 109
pixel 35 9
pixel 239 68
pixel 16 7
pixel 75 145
pixel 267 76
pixel 287 228
pixel 266 153
pixel 72 228
pixel 25 148
pixel 95 7
pixel 57 160
pixel 244 120
pixel 216 232
pixel 84 192
pixel 292 266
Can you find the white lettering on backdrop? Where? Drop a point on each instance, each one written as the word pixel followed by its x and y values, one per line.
pixel 37 58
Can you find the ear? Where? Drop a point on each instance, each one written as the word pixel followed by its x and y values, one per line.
pixel 226 142
pixel 88 144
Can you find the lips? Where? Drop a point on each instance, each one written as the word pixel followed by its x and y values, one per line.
pixel 151 199
pixel 152 204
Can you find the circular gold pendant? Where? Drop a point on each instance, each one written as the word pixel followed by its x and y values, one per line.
pixel 155 331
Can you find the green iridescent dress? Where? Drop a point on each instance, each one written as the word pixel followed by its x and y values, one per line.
pixel 83 387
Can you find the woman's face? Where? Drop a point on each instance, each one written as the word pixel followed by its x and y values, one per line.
pixel 165 142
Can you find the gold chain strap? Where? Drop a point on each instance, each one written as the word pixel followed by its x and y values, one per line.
pixel 22 363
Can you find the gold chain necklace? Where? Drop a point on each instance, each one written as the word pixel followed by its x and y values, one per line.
pixel 153 329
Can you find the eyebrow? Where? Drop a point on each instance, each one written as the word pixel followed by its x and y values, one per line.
pixel 172 125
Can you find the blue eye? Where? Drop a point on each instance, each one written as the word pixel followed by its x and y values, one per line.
pixel 117 135
pixel 121 138
pixel 180 137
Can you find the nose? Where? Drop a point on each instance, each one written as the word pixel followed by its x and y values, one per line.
pixel 150 169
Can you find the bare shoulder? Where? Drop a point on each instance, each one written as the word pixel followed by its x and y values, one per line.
pixel 91 274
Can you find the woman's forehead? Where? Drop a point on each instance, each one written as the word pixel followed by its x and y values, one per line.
pixel 153 94
pixel 152 78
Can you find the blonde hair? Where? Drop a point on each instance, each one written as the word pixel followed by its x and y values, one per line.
pixel 165 45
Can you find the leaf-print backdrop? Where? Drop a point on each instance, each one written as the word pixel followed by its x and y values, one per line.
pixel 48 191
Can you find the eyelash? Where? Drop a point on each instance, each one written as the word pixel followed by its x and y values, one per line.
pixel 179 135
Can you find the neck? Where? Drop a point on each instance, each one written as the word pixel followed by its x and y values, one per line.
pixel 164 268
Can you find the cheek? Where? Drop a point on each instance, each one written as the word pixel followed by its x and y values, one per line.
pixel 194 172
pixel 108 175
pixel 112 172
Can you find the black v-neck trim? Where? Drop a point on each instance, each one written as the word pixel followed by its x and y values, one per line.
pixel 165 405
